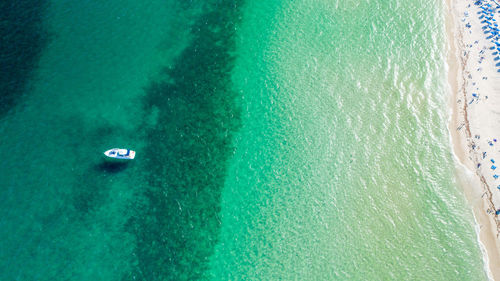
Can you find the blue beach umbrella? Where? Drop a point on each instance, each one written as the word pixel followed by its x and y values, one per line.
pixel 498 64
pixel 494 53
pixel 497 58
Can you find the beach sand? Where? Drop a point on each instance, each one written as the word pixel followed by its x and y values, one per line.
pixel 475 122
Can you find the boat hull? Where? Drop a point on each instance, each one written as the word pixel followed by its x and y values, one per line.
pixel 120 154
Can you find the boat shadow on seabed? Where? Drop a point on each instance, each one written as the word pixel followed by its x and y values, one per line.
pixel 112 167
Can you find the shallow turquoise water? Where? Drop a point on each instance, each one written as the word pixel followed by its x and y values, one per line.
pixel 285 140
pixel 343 169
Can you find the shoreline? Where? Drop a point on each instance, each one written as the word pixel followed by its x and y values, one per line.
pixel 471 126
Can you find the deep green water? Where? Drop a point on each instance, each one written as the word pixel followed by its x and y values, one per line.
pixel 276 140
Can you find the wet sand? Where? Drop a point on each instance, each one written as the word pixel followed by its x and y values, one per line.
pixel 475 121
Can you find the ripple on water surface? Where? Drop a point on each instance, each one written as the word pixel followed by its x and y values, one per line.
pixel 343 168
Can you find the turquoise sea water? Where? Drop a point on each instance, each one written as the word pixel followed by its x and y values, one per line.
pixel 285 140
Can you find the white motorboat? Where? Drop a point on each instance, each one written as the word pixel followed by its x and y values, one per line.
pixel 120 153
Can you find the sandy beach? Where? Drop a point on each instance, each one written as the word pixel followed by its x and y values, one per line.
pixel 475 123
